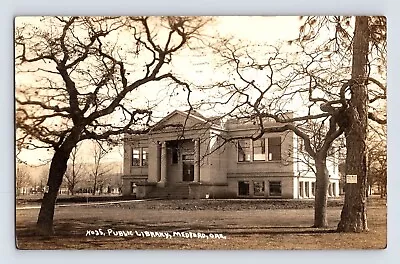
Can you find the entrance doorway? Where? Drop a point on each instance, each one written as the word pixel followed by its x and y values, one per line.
pixel 188 167
pixel 188 171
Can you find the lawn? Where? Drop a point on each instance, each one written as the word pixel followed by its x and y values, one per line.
pixel 238 224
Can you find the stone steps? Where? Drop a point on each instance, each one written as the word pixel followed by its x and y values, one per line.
pixel 170 192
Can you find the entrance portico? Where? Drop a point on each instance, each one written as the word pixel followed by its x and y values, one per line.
pixel 178 161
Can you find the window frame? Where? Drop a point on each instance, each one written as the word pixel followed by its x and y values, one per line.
pixel 146 151
pixel 140 159
pixel 270 183
pixel 241 148
pixel 271 156
pixel 259 194
pixel 134 154
pixel 188 157
pixel 262 147
pixel 248 187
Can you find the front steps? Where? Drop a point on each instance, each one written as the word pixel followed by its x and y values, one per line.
pixel 180 191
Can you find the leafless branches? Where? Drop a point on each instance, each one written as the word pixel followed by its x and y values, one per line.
pixel 75 171
pixel 95 72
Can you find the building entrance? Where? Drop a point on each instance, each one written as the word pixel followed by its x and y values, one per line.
pixel 188 171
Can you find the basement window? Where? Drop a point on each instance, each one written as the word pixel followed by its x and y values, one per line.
pixel 275 188
pixel 259 189
pixel 244 188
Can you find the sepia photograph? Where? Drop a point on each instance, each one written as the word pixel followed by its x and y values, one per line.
pixel 200 132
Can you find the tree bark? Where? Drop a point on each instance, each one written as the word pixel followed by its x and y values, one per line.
pixel 321 192
pixel 94 185
pixel 57 169
pixel 354 213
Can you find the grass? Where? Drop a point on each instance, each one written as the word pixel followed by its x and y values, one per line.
pixel 247 224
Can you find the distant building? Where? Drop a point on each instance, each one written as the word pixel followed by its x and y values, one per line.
pixel 199 163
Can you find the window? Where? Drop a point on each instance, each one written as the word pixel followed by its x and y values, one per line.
pixel 244 150
pixel 188 157
pixel 259 189
pixel 136 157
pixel 140 157
pixel 274 148
pixel 275 188
pixel 145 157
pixel 259 149
pixel 244 188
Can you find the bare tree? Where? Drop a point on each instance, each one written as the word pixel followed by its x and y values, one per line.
pixel 356 134
pixel 23 179
pixel 43 176
pixel 83 77
pixel 377 162
pixel 75 170
pixel 99 170
pixel 363 48
pixel 353 216
pixel 268 81
pixel 285 80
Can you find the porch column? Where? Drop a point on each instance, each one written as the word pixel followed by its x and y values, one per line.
pixel 164 161
pixel 196 160
pixel 337 189
pixel 303 186
pixel 330 189
pixel 300 190
pixel 310 193
pixel 158 162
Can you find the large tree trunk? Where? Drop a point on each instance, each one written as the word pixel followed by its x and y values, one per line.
pixel 94 185
pixel 354 213
pixel 321 192
pixel 57 169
